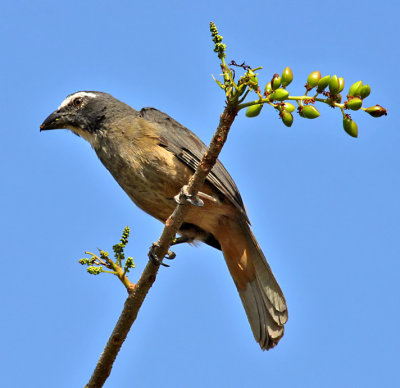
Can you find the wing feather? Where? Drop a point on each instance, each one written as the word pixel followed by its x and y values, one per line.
pixel 190 149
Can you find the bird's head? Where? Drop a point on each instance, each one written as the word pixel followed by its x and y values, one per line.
pixel 86 113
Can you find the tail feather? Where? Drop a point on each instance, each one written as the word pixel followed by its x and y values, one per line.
pixel 265 329
pixel 272 293
pixel 252 306
pixel 259 291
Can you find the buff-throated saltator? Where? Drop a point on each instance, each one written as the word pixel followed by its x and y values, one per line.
pixel 152 156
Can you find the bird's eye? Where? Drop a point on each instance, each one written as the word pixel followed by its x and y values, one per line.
pixel 78 101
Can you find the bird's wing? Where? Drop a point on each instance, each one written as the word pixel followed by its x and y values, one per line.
pixel 190 149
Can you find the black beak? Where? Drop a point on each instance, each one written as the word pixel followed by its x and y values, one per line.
pixel 55 121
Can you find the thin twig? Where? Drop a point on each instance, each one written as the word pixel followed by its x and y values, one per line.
pixel 172 225
pixel 116 270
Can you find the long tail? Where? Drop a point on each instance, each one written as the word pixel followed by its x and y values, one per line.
pixel 261 295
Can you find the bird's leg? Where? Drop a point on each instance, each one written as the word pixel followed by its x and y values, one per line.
pixel 184 196
pixel 155 259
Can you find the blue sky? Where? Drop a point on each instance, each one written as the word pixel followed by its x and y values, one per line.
pixel 324 206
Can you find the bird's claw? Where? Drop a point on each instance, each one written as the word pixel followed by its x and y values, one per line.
pixel 184 196
pixel 155 259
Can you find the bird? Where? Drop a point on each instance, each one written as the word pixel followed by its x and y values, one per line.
pixel 152 157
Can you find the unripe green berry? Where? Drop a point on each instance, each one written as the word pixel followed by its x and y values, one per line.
pixel 310 112
pixel 334 85
pixel 268 88
pixel 287 118
pixel 287 76
pixel 341 84
pixel 365 91
pixel 289 107
pixel 354 104
pixel 350 127
pixel 313 79
pixel 253 110
pixel 276 81
pixel 355 89
pixel 376 111
pixel 323 83
pixel 279 95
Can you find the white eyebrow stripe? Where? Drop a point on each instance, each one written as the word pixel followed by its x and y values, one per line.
pixel 75 95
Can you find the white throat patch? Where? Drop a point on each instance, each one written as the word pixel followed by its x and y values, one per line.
pixel 75 95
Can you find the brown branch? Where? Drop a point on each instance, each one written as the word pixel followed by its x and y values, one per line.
pixel 172 225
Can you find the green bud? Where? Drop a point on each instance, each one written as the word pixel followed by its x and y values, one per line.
pixel 287 76
pixel 376 111
pixel 253 110
pixel 341 84
pixel 313 79
pixel 350 127
pixel 276 81
pixel 323 83
pixel 94 270
pixel 310 112
pixel 252 78
pixel 287 118
pixel 355 89
pixel 268 88
pixel 334 85
pixel 365 91
pixel 289 107
pixel 129 263
pixel 354 104
pixel 279 95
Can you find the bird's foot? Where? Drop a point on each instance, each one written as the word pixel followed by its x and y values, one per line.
pixel 184 196
pixel 155 259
